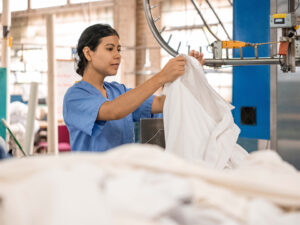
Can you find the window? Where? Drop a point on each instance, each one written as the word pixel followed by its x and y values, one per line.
pixel 83 1
pixel 45 3
pixel 16 5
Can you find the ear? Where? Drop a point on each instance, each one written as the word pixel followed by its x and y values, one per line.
pixel 87 53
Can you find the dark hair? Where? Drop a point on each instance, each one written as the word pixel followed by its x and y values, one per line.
pixel 91 37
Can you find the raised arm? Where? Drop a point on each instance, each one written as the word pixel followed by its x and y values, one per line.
pixel 131 100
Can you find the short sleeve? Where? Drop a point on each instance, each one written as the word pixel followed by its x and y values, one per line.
pixel 80 109
pixel 144 111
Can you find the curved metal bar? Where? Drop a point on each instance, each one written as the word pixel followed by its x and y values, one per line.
pixel 154 30
pixel 216 15
pixel 204 21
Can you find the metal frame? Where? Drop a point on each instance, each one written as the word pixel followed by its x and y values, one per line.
pixel 216 15
pixel 203 19
pixel 157 34
pixel 154 30
pixel 273 86
pixel 273 62
pixel 242 62
pixel 209 62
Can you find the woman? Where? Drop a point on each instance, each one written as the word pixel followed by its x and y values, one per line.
pixel 100 115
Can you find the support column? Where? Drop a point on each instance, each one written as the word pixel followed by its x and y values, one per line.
pixel 273 85
pixel 52 132
pixel 29 131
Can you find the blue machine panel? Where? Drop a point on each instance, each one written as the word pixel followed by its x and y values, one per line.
pixel 3 99
pixel 251 84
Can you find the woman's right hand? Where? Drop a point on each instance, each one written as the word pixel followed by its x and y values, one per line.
pixel 173 69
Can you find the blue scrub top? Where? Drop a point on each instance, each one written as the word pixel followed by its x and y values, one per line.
pixel 80 109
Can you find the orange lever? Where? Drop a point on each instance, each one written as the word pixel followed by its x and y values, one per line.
pixel 283 48
pixel 233 44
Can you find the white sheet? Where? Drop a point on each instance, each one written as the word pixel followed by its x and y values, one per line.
pixel 198 122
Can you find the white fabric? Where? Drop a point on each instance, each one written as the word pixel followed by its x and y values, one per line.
pixel 198 122
pixel 141 184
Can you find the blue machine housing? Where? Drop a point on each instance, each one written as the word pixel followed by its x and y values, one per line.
pixel 251 84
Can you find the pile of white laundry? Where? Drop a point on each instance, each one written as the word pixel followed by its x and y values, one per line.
pixel 141 184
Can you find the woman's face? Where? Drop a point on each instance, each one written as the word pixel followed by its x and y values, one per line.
pixel 106 58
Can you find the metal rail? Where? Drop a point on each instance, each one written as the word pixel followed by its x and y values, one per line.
pixel 242 62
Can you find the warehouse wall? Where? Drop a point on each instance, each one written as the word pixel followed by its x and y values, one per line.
pixel 29 54
pixel 31 29
pixel 124 22
pixel 146 45
pixel 29 32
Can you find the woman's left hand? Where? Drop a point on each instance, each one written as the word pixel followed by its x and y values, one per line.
pixel 198 56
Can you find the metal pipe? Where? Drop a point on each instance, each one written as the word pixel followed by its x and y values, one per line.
pixel 169 39
pixel 178 47
pixel 204 21
pixel 162 30
pixel 291 6
pixel 6 22
pixel 242 62
pixel 216 15
pixel 271 51
pixel 5 51
pixel 156 19
pixel 292 54
pixel 214 52
pixel 153 6
pixel 227 53
pixel 51 99
pixel 255 51
pixel 29 131
pixel 241 53
pixel 273 84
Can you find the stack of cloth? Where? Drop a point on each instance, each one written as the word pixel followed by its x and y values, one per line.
pixel 142 184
